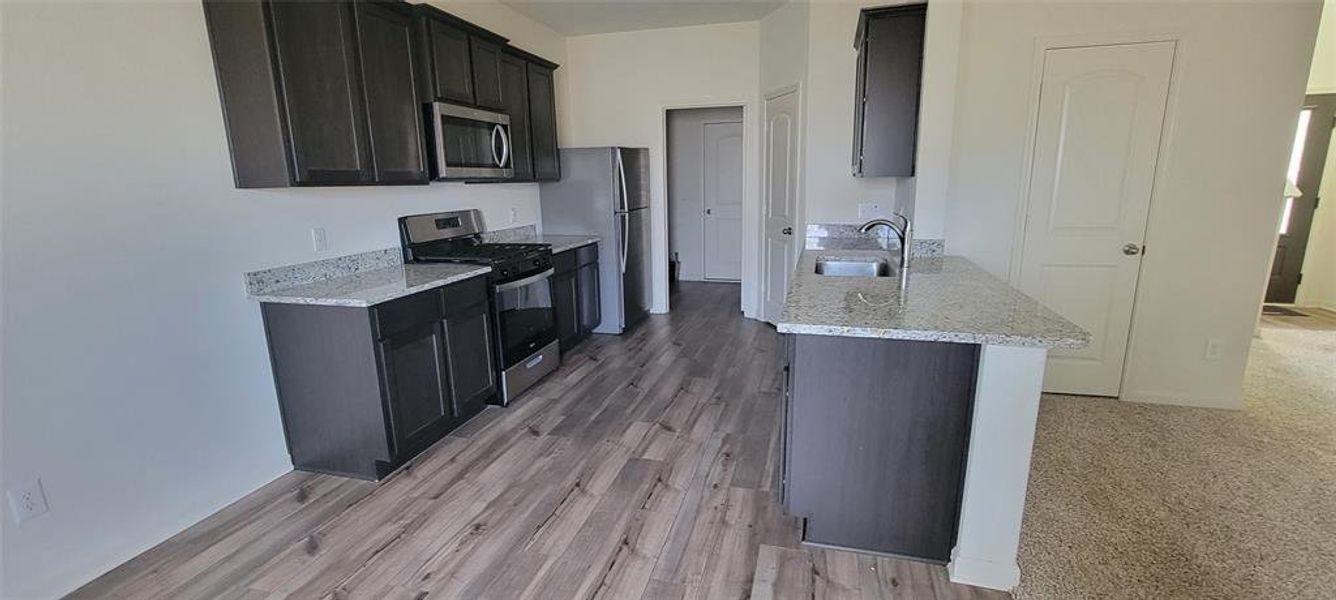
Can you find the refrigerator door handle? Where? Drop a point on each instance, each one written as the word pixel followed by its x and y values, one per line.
pixel 626 237
pixel 621 179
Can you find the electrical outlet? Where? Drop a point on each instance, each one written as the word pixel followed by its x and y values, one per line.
pixel 871 210
pixel 514 216
pixel 27 500
pixel 319 240
pixel 1212 349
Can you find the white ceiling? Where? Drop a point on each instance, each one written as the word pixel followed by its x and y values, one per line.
pixel 581 17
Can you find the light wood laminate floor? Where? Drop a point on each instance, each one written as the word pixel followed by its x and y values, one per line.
pixel 644 468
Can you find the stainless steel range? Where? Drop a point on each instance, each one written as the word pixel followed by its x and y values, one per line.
pixel 523 320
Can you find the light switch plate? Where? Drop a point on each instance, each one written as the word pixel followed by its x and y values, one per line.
pixel 26 500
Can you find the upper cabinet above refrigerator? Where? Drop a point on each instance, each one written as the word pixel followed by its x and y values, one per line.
pixel 886 101
pixel 341 92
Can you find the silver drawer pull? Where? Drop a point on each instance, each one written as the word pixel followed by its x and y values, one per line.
pixel 535 361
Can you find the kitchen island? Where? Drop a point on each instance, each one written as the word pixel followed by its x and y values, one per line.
pixel 910 407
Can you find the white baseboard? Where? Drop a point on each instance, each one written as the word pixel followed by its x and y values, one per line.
pixel 983 573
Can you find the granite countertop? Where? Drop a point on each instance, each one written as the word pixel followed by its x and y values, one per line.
pixel 946 299
pixel 374 286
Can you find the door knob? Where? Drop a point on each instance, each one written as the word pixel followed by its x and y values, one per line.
pixel 1131 249
pixel 709 211
pixel 787 231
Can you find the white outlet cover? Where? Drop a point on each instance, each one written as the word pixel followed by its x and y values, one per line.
pixel 27 500
pixel 319 239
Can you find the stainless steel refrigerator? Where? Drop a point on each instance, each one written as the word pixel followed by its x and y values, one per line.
pixel 605 192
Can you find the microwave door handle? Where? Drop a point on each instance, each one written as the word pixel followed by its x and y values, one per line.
pixel 496 158
pixel 505 146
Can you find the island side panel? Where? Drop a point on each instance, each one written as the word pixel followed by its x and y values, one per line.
pixel 327 379
pixel 1006 405
pixel 879 431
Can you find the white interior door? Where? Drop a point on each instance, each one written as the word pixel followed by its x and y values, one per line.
pixel 1097 136
pixel 722 156
pixel 779 200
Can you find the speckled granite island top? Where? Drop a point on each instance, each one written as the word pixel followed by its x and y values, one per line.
pixel 947 299
pixel 374 286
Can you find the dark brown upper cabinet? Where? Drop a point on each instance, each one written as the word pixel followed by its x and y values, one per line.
pixel 385 36
pixel 450 70
pixel 486 73
pixel 543 122
pixel 886 101
pixel 515 97
pixel 317 93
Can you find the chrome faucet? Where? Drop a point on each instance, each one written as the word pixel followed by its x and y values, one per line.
pixel 903 229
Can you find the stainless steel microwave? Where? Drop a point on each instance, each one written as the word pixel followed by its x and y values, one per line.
pixel 471 143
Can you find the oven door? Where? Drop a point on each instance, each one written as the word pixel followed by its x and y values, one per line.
pixel 471 143
pixel 525 318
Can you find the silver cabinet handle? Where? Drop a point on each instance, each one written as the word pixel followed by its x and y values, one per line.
pixel 1131 249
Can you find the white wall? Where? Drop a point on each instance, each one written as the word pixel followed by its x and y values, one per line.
pixel 1322 75
pixel 136 380
pixel 832 193
pixel 1238 80
pixel 621 84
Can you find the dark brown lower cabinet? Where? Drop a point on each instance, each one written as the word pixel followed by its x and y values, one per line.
pixel 575 294
pixel 363 390
pixel 875 438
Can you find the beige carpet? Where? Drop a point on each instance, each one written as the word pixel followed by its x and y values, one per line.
pixel 1140 501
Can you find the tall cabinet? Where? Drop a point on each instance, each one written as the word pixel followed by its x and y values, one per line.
pixel 886 98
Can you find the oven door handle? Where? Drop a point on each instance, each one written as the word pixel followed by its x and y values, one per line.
pixel 519 283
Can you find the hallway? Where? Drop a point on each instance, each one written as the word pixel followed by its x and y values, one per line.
pixel 1133 500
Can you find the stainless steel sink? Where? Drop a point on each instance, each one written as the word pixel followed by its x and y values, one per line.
pixel 853 267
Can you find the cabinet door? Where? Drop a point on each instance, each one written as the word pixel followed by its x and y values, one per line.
pixel 566 305
pixel 587 288
pixel 886 119
pixel 468 351
pixel 486 73
pixel 452 70
pixel 315 50
pixel 515 96
pixel 543 124
pixel 413 378
pixel 393 112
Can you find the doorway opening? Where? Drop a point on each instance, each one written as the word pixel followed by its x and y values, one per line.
pixel 1303 269
pixel 705 194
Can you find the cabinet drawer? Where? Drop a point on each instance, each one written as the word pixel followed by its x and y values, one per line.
pixel 397 316
pixel 564 262
pixel 457 298
pixel 585 255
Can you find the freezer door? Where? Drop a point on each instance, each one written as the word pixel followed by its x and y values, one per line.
pixel 633 242
pixel 635 167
